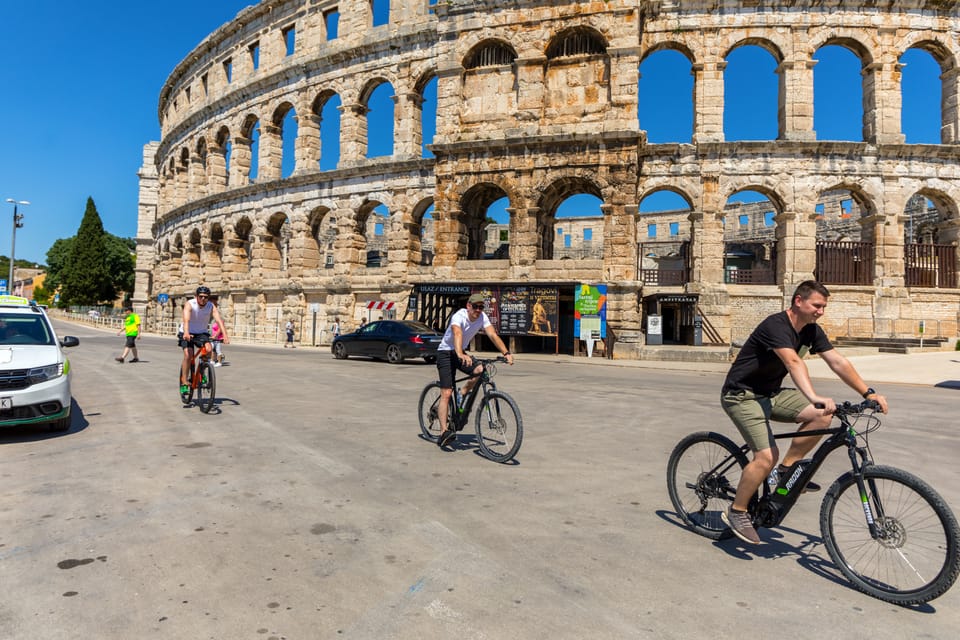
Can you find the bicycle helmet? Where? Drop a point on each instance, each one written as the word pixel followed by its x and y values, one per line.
pixel 202 289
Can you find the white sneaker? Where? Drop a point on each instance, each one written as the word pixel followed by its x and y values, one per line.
pixel 216 364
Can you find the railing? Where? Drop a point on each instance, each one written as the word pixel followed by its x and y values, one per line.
pixel 749 276
pixel 672 260
pixel 898 328
pixel 930 265
pixel 844 262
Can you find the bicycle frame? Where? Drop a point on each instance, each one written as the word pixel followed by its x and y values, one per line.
pixel 202 353
pixel 466 404
pixel 770 510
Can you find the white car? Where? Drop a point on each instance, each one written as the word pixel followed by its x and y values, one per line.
pixel 34 372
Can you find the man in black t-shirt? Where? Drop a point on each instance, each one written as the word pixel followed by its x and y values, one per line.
pixel 752 395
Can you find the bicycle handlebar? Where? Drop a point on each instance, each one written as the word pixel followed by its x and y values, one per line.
pixel 848 408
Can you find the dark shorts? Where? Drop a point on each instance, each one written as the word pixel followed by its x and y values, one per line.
pixel 131 341
pixel 289 336
pixel 447 365
pixel 196 340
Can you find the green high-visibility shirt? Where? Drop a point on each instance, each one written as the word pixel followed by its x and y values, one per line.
pixel 132 324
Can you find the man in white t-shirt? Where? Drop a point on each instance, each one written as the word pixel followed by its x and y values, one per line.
pixel 464 325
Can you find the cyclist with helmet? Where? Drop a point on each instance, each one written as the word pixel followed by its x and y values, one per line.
pixel 197 314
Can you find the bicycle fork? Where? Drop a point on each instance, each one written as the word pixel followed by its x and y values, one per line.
pixel 858 467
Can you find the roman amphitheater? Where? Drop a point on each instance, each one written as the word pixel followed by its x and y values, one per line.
pixel 272 183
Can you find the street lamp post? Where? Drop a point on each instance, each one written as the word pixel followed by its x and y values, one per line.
pixel 17 217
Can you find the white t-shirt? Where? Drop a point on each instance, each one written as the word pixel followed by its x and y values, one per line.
pixel 462 319
pixel 200 317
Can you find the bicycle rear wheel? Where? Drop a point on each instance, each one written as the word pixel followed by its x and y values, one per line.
pixel 428 410
pixel 914 557
pixel 207 388
pixel 499 426
pixel 186 398
pixel 702 477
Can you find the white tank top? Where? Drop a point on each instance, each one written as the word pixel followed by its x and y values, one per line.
pixel 200 317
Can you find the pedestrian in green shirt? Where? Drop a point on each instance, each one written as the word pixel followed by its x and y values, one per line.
pixel 131 328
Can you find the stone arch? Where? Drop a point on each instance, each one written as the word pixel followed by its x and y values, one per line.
pixel 214 249
pixel 372 226
pixel 322 224
pixel 220 164
pixel 326 109
pixel 424 113
pixel 742 68
pixel 284 135
pixel 248 150
pixel 488 86
pixel 664 232
pixel 472 218
pixel 275 243
pixel 374 100
pixel 577 76
pixel 422 240
pixel 242 239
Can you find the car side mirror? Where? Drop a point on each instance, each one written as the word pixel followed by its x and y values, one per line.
pixel 69 341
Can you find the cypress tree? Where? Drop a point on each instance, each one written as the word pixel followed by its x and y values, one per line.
pixel 86 277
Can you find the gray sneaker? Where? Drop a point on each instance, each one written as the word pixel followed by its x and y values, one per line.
pixel 739 522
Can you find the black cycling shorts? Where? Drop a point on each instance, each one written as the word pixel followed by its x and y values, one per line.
pixel 196 340
pixel 448 364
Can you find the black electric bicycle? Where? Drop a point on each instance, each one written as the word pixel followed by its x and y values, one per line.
pixel 499 426
pixel 886 530
pixel 201 378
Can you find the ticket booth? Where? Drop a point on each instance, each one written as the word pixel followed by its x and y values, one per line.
pixel 675 317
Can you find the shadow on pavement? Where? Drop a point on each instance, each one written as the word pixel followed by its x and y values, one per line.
pixel 34 433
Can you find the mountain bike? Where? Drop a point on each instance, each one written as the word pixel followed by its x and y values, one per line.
pixel 202 378
pixel 887 531
pixel 498 422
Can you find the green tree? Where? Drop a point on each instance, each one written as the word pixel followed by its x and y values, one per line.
pixel 57 257
pixel 86 277
pixel 121 262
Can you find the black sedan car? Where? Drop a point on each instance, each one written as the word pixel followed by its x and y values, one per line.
pixel 390 340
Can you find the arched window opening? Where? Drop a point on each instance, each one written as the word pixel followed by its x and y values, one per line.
pixel 242 234
pixel 750 95
pixel 374 226
pixel 490 54
pixel 380 11
pixel 665 97
pixel 287 122
pixel 664 239
pixel 576 42
pixel 921 91
pixel 276 250
pixel 483 207
pixel 578 228
pixel 845 249
pixel 252 133
pixel 214 253
pixel 930 244
pixel 380 118
pixel 225 147
pixel 428 116
pixel 749 240
pixel 427 237
pixel 323 230
pixel 837 94
pixel 327 108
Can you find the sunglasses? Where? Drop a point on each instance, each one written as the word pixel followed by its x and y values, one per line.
pixel 477 307
pixel 203 296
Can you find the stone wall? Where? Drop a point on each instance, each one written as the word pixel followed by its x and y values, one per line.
pixel 536 102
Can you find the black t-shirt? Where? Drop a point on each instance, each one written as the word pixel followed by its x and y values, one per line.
pixel 757 368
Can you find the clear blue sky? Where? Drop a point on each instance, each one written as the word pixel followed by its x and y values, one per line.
pixel 80 83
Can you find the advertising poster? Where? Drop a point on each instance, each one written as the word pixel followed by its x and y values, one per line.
pixel 544 314
pixel 514 311
pixel 590 311
pixel 491 304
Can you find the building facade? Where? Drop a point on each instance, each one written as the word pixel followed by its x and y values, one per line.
pixel 537 102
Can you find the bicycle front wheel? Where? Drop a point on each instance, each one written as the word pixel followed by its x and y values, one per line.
pixel 702 477
pixel 207 387
pixel 914 557
pixel 428 409
pixel 499 427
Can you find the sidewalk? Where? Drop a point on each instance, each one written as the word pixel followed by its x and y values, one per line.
pixel 936 368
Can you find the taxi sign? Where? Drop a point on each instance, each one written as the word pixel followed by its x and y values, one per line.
pixel 14 300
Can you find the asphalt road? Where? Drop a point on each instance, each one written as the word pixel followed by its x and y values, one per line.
pixel 307 506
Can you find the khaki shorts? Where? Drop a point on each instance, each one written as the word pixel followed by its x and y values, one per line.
pixel 752 413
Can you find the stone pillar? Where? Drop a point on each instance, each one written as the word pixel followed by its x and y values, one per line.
pixel 240 162
pixel 530 80
pixel 708 101
pixel 216 171
pixel 408 127
pixel 882 103
pixel 950 126
pixel 147 208
pixel 308 144
pixel 198 176
pixel 524 237
pixel 619 241
pixel 349 249
pixel 271 153
pixel 353 134
pixel 450 242
pixel 706 235
pixel 796 248
pixel 795 113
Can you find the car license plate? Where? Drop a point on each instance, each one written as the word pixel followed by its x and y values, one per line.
pixel 6 403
